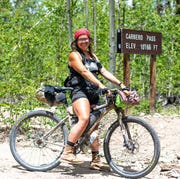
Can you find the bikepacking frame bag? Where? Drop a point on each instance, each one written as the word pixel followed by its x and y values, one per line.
pixel 48 94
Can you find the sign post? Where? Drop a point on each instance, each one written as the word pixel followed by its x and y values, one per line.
pixel 152 83
pixel 140 42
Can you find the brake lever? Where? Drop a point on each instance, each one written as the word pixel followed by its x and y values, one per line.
pixel 103 91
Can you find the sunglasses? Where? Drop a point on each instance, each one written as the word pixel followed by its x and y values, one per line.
pixel 83 40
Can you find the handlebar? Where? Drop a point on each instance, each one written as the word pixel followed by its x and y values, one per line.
pixel 100 92
pixel 131 98
pixel 59 89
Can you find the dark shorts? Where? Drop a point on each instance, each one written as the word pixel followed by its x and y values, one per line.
pixel 92 96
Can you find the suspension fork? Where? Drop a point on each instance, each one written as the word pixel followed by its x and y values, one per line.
pixel 123 127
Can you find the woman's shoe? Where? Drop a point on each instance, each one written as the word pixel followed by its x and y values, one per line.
pixel 68 156
pixel 96 164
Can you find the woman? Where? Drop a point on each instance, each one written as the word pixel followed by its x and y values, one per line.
pixel 84 69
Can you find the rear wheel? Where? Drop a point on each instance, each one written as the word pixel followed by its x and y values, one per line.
pixel 37 140
pixel 139 155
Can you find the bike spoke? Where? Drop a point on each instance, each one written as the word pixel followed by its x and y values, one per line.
pixel 31 145
pixel 132 159
pixel 133 152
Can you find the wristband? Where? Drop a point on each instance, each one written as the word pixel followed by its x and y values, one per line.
pixel 120 84
pixel 126 88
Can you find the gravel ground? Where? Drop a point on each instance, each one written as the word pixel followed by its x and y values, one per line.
pixel 168 131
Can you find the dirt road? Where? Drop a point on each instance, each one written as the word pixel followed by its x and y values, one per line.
pixel 168 128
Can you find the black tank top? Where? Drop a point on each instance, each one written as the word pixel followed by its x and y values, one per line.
pixel 93 66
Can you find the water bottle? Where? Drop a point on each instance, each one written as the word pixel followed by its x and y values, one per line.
pixel 93 136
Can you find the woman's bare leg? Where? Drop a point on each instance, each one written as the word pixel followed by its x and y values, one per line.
pixel 82 110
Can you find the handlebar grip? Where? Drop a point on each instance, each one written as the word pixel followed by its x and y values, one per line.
pixel 103 91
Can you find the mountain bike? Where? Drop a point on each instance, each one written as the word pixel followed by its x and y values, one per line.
pixel 131 146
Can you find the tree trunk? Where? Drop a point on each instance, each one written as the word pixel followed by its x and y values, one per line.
pixel 112 53
pixel 94 22
pixel 86 13
pixel 69 21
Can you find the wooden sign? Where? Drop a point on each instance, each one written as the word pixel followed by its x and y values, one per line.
pixel 138 42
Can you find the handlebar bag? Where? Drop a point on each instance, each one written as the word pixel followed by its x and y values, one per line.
pixel 122 100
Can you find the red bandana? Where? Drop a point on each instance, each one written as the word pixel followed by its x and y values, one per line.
pixel 82 31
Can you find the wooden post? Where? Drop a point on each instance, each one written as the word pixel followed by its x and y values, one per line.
pixel 152 83
pixel 126 75
pixel 126 70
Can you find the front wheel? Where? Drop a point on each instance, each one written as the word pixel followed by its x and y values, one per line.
pixel 134 151
pixel 37 140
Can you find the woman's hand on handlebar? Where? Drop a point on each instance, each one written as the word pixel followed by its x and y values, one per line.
pixel 125 89
pixel 105 90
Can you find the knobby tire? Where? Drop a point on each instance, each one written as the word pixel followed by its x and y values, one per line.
pixel 28 145
pixel 127 163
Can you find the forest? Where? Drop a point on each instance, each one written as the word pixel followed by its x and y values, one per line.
pixel 36 35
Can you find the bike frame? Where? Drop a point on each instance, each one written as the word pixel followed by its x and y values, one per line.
pixel 85 136
pixel 108 107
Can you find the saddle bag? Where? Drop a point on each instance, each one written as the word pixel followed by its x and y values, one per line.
pixel 49 95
